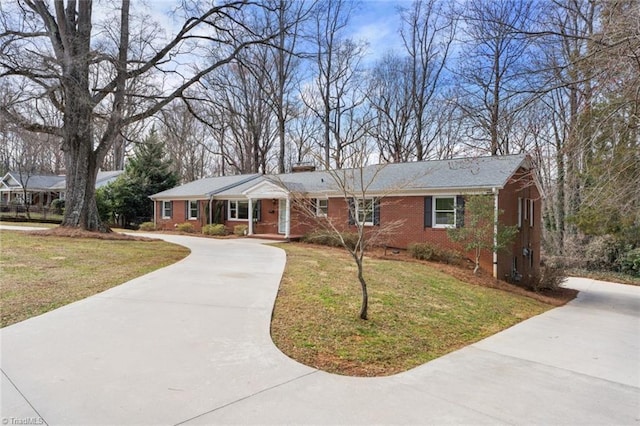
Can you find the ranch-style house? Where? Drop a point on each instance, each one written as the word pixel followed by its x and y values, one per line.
pixel 427 196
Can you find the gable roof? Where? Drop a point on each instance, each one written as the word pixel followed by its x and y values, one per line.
pixel 205 187
pixel 13 180
pixel 52 182
pixel 478 173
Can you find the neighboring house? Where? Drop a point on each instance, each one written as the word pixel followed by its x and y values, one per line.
pixel 41 190
pixel 428 196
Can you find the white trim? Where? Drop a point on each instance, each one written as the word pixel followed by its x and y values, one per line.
pixel 266 189
pixel 319 212
pixel 434 211
pixel 357 201
pixel 190 217
pixel 250 219
pixel 163 210
pixel 282 216
pixel 531 213
pixel 287 218
pixel 406 193
pixel 519 212
pixel 235 219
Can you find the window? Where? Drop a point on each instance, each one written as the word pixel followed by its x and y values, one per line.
pixel 519 212
pixel 531 213
pixel 167 209
pixel 322 207
pixel 193 210
pixel 444 213
pixel 238 210
pixel 364 211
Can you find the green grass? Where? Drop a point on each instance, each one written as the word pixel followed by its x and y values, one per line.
pixel 41 273
pixel 416 313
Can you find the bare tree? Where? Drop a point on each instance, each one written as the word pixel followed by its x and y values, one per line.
pixel 390 98
pixel 428 30
pixel 279 84
pixel 493 89
pixel 188 142
pixel 53 56
pixel 354 187
pixel 336 93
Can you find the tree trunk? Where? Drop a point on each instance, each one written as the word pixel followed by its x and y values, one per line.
pixel 365 295
pixel 81 210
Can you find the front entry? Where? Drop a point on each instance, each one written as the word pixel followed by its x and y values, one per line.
pixel 282 216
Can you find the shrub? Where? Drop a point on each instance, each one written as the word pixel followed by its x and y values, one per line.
pixel 147 226
pixel 551 276
pixel 185 227
pixel 331 239
pixel 58 206
pixel 214 229
pixel 435 253
pixel 424 251
pixel 630 262
pixel 240 230
pixel 602 253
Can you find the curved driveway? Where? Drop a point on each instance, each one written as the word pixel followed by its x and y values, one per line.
pixel 190 344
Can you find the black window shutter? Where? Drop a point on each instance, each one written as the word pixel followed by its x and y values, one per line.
pixel 257 209
pixel 428 211
pixel 352 211
pixel 225 206
pixel 186 209
pixel 376 211
pixel 459 211
pixel 170 208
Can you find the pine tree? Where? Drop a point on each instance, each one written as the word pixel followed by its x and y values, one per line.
pixel 147 172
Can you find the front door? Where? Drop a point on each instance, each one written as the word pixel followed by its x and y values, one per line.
pixel 282 216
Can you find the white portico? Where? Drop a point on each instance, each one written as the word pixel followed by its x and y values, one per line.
pixel 267 190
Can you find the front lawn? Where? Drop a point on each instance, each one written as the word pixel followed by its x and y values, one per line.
pixel 41 273
pixel 416 313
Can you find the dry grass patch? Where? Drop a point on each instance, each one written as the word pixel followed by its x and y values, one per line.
pixel 417 313
pixel 41 272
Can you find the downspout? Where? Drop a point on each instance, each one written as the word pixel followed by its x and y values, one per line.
pixel 495 232
pixel 211 209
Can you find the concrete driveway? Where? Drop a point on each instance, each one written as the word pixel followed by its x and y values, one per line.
pixel 189 344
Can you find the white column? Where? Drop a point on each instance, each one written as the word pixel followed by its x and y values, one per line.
pixel 287 219
pixel 250 231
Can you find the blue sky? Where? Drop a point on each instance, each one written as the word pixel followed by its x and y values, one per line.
pixel 377 22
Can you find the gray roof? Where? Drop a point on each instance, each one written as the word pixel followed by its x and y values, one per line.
pixel 33 182
pixel 456 174
pixel 205 187
pixel 477 173
pixel 55 182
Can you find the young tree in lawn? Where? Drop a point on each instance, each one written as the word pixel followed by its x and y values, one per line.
pixel 364 229
pixel 482 229
pixel 52 56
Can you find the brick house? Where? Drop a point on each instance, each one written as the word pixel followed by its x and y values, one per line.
pixel 427 196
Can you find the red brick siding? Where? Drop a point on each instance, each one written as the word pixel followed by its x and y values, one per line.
pixel 521 186
pixel 179 215
pixel 409 210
